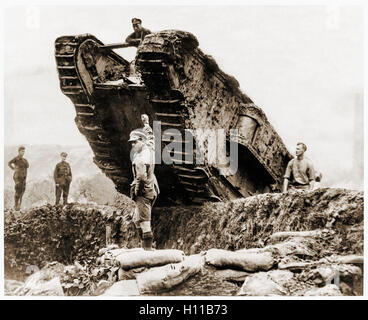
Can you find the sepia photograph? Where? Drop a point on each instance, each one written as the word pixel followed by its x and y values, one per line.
pixel 156 151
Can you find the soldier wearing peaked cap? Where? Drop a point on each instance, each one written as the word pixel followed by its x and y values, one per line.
pixel 144 188
pixel 63 178
pixel 20 165
pixel 136 38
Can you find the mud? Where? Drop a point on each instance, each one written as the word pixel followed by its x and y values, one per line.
pixel 312 236
pixel 249 222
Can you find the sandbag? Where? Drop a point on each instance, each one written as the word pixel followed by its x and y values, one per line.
pixel 295 246
pixel 109 256
pixel 43 288
pixel 328 290
pixel 12 286
pixel 123 288
pixel 353 259
pixel 232 275
pixel 109 247
pixel 262 261
pixel 165 277
pixel 338 272
pixel 296 265
pixel 45 282
pixel 261 284
pixel 133 259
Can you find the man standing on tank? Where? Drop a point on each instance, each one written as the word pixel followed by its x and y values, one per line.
pixel 136 38
pixel 299 171
pixel 20 165
pixel 63 178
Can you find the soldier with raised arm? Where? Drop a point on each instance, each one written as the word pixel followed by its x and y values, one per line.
pixel 144 188
pixel 20 165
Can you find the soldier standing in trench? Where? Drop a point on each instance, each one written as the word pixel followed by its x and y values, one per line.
pixel 63 178
pixel 144 188
pixel 20 165
pixel 299 171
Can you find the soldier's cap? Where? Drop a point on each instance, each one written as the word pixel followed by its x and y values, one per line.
pixel 64 154
pixel 137 134
pixel 21 148
pixel 136 21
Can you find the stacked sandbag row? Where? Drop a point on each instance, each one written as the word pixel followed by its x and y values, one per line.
pixel 291 265
pixel 283 268
pixel 148 272
pixel 158 271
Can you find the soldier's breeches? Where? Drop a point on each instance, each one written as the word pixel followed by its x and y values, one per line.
pixel 142 211
pixel 58 191
pixel 20 187
pixel 62 190
pixel 66 191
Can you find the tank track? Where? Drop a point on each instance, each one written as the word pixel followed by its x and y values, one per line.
pixel 87 119
pixel 170 61
pixel 169 107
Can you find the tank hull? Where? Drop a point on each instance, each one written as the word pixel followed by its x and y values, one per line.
pixel 185 93
pixel 171 63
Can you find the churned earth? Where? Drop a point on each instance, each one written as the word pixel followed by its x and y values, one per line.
pixel 300 243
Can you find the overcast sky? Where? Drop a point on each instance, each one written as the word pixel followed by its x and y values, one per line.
pixel 303 65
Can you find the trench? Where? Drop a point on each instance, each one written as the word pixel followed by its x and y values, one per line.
pixel 77 232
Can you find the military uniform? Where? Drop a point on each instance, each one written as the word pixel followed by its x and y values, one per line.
pixel 62 177
pixel 144 191
pixel 20 166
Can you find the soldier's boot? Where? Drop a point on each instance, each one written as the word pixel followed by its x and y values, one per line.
pixel 147 240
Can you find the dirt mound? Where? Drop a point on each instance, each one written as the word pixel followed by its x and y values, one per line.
pixel 308 235
pixel 249 222
pixel 55 233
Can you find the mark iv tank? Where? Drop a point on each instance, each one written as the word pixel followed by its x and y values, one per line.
pixel 174 82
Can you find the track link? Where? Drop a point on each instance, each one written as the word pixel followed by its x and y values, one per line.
pixel 87 120
pixel 169 107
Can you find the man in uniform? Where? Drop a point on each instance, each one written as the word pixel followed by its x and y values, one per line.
pixel 20 165
pixel 299 171
pixel 139 33
pixel 144 188
pixel 62 177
